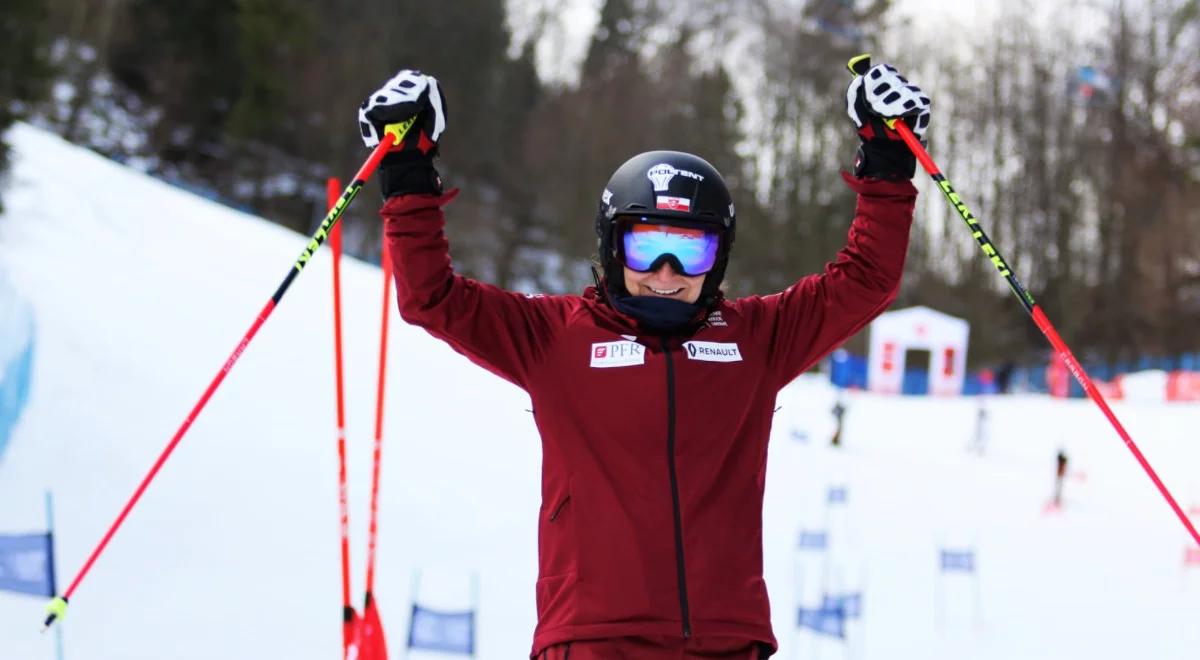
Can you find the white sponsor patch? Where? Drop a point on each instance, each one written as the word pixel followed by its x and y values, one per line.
pixel 618 354
pixel 713 351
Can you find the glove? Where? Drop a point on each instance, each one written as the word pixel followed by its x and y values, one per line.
pixel 882 93
pixel 411 106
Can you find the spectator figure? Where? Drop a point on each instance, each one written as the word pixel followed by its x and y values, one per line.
pixel 987 382
pixel 1004 377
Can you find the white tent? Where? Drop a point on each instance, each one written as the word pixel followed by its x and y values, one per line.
pixel 896 333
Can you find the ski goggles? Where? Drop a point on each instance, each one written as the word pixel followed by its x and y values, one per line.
pixel 646 247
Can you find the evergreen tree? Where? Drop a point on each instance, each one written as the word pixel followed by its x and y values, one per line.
pixel 615 41
pixel 181 58
pixel 24 66
pixel 265 126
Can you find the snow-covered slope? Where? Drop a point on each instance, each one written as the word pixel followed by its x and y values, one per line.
pixel 140 291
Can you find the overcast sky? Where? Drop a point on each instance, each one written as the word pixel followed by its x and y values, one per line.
pixel 564 47
pixel 571 23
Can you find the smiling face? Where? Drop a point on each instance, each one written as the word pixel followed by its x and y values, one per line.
pixel 664 283
pixel 666 261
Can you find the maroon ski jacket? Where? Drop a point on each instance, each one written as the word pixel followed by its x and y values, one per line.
pixel 654 449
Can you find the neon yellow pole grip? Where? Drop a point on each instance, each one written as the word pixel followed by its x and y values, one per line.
pixel 56 609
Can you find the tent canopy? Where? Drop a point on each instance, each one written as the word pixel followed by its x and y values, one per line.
pixel 895 333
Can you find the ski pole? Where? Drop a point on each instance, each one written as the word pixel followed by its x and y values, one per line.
pixel 858 66
pixel 332 192
pixel 372 529
pixel 58 605
pixel 369 640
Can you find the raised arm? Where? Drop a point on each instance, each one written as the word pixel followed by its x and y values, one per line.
pixel 815 315
pixel 502 331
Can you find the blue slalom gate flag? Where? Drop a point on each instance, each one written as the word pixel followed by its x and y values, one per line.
pixel 849 603
pixel 829 621
pixel 958 560
pixel 27 564
pixel 814 539
pixel 836 495
pixel 449 632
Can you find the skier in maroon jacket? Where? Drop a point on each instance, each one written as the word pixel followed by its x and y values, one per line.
pixel 653 393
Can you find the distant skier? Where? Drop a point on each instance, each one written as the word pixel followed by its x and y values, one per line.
pixel 1060 475
pixel 839 411
pixel 982 431
pixel 653 392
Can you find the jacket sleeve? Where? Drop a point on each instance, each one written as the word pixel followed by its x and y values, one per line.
pixel 819 312
pixel 507 333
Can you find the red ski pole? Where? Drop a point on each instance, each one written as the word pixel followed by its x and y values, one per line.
pixel 369 641
pixel 332 191
pixel 379 398
pixel 58 605
pixel 859 66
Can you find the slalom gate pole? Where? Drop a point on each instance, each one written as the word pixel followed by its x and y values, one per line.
pixel 58 605
pixel 332 192
pixel 385 263
pixel 859 66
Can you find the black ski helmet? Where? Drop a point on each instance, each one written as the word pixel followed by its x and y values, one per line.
pixel 671 187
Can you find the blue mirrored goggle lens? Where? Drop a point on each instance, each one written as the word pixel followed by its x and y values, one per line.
pixel 695 250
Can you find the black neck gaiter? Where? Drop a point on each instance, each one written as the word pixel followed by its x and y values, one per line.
pixel 660 316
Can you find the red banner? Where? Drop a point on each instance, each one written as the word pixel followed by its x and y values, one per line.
pixel 1183 386
pixel 1058 379
pixel 1110 389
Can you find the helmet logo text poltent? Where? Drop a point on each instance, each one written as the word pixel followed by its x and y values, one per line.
pixel 662 174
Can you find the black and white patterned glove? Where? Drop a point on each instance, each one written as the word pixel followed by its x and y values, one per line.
pixel 879 94
pixel 411 106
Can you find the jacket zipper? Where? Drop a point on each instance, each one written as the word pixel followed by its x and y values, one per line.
pixel 558 509
pixel 679 564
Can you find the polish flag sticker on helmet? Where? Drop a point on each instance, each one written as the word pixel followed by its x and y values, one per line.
pixel 617 354
pixel 673 203
pixel 713 351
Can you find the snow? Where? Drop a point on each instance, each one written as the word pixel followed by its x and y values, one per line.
pixel 140 291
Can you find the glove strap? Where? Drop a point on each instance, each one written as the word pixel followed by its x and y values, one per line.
pixel 402 174
pixel 885 159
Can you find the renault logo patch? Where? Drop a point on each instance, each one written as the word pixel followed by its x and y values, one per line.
pixel 713 351
pixel 618 354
